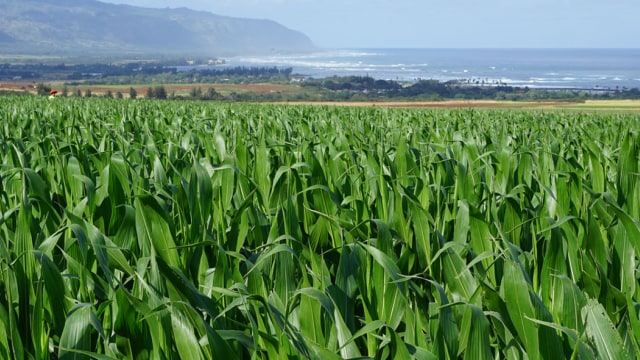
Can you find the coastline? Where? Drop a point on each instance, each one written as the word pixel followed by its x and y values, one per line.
pixel 533 68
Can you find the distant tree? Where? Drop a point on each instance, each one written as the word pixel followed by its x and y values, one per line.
pixel 119 95
pixel 212 94
pixel 108 94
pixel 42 89
pixel 160 92
pixel 132 93
pixel 65 91
pixel 78 93
pixel 87 93
pixel 150 94
pixel 195 93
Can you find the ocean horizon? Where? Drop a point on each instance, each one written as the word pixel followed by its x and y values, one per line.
pixel 534 68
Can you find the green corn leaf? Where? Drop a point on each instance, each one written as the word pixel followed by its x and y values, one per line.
pixel 5 348
pixel 348 349
pixel 188 291
pixel 154 231
pixel 631 225
pixel 597 173
pixel 91 355
pixel 475 333
pixel 319 296
pixel 447 325
pixel 601 332
pixel 421 230
pixel 461 229
pixel 634 319
pixel 366 329
pixel 76 335
pixel 184 336
pixel 458 277
pixel 569 303
pixel 39 336
pixel 55 288
pixel 391 269
pixel 515 292
pixel 580 348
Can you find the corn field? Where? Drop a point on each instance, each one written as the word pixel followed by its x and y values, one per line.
pixel 178 230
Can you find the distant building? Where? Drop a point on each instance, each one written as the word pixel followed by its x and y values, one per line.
pixel 298 78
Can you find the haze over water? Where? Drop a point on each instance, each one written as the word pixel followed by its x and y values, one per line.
pixel 542 68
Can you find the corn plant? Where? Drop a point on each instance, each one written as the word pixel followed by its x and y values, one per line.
pixel 162 230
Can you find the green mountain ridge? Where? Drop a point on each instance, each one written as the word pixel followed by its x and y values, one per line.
pixel 92 27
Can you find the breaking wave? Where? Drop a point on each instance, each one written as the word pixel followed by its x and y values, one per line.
pixel 610 68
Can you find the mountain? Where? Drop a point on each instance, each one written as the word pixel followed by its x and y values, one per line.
pixel 93 27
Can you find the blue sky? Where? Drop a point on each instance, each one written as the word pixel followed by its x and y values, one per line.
pixel 441 23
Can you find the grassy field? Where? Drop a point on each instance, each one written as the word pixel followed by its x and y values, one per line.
pixel 316 97
pixel 603 105
pixel 607 105
pixel 612 106
pixel 201 230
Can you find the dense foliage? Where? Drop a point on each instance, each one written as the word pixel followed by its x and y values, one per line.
pixel 158 229
pixel 365 87
pixel 141 73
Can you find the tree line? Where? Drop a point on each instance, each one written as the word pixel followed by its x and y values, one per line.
pixel 141 73
pixel 365 87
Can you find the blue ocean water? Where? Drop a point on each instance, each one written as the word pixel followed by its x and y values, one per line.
pixel 542 68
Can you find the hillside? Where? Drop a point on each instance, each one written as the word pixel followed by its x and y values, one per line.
pixel 89 26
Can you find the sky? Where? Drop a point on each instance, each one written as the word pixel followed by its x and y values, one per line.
pixel 333 24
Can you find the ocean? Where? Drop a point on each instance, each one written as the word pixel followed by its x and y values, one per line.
pixel 535 68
